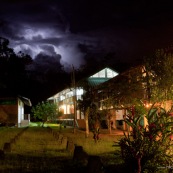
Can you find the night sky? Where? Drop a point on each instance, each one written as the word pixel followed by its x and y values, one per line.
pixel 73 29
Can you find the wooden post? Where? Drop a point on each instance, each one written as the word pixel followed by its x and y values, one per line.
pixel 74 97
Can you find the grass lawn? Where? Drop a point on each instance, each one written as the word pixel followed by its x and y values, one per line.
pixel 105 148
pixel 37 150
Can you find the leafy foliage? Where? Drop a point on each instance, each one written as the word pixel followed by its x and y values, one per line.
pixel 20 74
pixel 122 89
pixel 159 67
pixel 87 105
pixel 13 74
pixel 46 111
pixel 148 147
pixel 89 108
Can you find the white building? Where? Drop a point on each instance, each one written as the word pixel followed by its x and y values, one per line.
pixel 67 97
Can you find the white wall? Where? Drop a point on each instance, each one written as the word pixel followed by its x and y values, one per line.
pixel 20 111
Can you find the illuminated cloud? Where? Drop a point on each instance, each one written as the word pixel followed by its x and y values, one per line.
pixel 49 42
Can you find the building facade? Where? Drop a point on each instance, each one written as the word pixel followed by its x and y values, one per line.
pixel 66 99
pixel 113 93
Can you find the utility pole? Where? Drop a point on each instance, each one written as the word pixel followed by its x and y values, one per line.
pixel 74 97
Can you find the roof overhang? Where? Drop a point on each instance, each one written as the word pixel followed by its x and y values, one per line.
pixel 25 100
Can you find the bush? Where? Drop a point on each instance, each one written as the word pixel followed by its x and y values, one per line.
pixel 147 147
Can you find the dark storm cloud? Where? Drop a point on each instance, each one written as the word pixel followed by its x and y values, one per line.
pixel 74 28
pixel 47 61
pixel 30 26
pixel 45 64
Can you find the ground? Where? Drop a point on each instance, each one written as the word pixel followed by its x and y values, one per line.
pixel 37 149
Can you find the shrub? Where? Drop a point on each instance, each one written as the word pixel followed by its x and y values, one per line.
pixel 147 147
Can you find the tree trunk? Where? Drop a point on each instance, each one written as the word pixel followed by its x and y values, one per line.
pixel 43 123
pixel 110 127
pixel 139 165
pixel 86 123
pixel 109 117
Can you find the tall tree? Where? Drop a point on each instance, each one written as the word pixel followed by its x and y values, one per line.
pixel 108 104
pixel 20 74
pixel 13 73
pixel 159 67
pixel 88 107
pixel 5 51
pixel 123 89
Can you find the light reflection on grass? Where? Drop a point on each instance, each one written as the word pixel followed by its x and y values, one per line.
pixel 39 124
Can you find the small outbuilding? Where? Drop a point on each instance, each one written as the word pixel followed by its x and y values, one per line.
pixel 12 111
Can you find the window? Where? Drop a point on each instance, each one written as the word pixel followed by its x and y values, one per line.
pixel 100 74
pixel 62 97
pixel 111 73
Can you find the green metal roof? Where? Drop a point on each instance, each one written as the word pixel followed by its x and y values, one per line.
pixel 98 78
pixel 96 81
pixel 92 82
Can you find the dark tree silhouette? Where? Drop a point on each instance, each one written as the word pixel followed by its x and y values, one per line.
pixel 36 79
pixel 13 72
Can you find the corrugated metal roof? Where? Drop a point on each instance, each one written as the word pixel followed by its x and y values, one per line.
pixel 6 94
pixel 96 81
pixel 92 82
